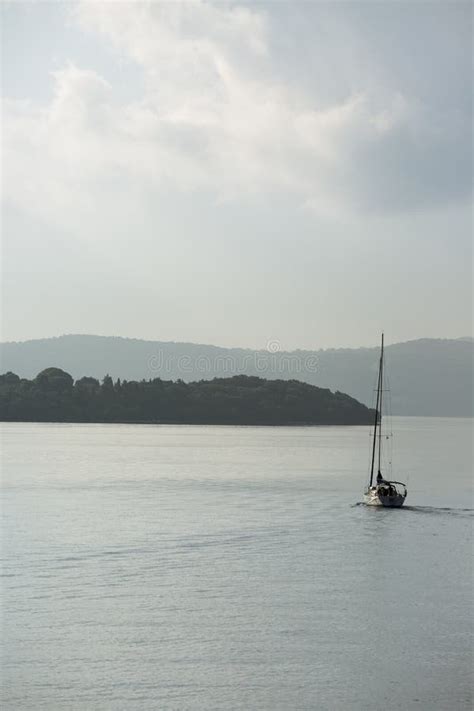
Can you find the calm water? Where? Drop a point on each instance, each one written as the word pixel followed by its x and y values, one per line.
pixel 230 568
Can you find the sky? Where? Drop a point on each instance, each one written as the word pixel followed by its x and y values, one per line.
pixel 292 173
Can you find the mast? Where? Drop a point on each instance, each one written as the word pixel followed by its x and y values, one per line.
pixel 379 398
pixel 380 404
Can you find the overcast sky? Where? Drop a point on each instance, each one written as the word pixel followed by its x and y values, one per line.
pixel 237 173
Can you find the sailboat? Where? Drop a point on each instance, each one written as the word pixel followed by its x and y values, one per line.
pixel 383 492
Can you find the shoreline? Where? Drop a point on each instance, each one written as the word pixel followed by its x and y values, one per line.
pixel 188 424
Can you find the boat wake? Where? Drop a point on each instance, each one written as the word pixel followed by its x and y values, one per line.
pixel 440 510
pixel 423 509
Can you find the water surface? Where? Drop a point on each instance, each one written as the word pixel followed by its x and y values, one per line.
pixel 176 567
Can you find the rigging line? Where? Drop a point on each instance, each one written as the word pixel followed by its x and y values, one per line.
pixel 388 418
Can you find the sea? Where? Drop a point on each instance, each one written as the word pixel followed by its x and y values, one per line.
pixel 149 567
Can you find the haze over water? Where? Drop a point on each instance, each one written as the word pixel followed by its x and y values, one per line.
pixel 176 567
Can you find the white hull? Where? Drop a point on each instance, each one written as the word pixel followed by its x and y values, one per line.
pixel 375 497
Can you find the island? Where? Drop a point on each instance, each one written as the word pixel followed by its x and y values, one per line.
pixel 54 396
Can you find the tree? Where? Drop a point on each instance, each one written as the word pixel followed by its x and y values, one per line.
pixel 54 379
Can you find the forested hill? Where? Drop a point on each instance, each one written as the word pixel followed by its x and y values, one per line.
pixel 427 376
pixel 53 396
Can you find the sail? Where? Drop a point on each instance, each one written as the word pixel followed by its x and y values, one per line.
pixel 378 420
pixel 387 493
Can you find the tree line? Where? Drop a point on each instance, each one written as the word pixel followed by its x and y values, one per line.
pixel 54 396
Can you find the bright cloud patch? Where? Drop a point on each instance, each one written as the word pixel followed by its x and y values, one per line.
pixel 215 116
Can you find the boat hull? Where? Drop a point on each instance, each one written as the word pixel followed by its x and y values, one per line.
pixel 374 497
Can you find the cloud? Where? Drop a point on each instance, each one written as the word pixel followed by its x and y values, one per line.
pixel 215 116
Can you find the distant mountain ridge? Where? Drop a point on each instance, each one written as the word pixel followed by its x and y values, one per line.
pixel 432 377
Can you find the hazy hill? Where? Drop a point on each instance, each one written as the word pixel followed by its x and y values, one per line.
pixel 427 376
